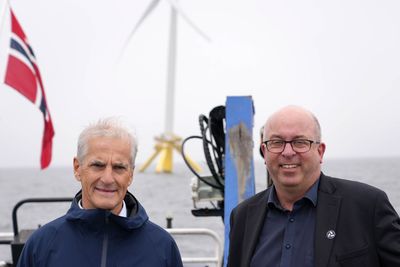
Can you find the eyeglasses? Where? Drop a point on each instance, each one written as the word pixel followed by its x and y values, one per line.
pixel 298 145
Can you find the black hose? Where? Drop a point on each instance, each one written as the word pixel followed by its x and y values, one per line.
pixel 207 153
pixel 219 186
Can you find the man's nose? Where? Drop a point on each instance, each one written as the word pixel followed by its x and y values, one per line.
pixel 108 176
pixel 288 150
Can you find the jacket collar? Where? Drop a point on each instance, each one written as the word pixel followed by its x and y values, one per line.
pixel 96 218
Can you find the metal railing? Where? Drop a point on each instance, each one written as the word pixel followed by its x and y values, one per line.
pixel 17 238
pixel 33 200
pixel 6 238
pixel 217 259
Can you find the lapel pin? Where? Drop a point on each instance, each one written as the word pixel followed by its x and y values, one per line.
pixel 330 234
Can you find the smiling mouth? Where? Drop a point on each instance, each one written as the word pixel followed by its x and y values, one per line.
pixel 104 190
pixel 289 166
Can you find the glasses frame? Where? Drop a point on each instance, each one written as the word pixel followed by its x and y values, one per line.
pixel 311 142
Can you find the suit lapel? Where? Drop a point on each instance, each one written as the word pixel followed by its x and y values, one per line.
pixel 328 207
pixel 254 223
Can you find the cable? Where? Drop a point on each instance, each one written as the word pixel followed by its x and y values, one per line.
pixel 191 168
pixel 207 153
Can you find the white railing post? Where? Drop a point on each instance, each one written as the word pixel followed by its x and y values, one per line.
pixel 217 259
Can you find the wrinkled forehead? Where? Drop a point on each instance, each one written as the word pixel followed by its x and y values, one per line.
pixel 107 146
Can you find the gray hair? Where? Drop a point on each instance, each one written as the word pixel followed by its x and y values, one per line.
pixel 107 127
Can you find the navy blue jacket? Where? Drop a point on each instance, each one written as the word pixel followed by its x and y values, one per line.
pixel 99 238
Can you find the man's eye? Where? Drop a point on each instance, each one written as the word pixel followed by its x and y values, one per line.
pixel 300 142
pixel 119 168
pixel 276 142
pixel 97 165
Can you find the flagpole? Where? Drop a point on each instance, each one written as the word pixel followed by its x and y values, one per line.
pixel 4 54
pixel 3 11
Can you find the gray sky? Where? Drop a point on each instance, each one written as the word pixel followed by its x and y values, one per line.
pixel 340 59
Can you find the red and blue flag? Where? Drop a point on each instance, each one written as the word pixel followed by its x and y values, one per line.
pixel 22 74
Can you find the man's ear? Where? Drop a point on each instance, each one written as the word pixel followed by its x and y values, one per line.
pixel 321 151
pixel 263 150
pixel 131 178
pixel 77 169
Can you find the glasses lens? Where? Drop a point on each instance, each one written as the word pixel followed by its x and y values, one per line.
pixel 275 146
pixel 301 145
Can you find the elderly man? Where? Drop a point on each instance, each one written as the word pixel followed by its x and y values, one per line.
pixel 308 219
pixel 106 225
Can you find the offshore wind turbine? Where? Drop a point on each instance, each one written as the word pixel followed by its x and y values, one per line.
pixel 168 141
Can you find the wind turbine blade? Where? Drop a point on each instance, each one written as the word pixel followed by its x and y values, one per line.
pixel 149 9
pixel 179 10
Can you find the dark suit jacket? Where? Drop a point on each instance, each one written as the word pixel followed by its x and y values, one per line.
pixel 366 227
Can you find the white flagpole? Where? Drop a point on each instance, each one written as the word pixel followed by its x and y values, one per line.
pixel 4 37
pixel 4 5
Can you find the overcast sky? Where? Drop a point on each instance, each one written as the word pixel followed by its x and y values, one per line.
pixel 340 59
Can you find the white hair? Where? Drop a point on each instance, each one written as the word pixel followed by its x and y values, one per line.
pixel 107 127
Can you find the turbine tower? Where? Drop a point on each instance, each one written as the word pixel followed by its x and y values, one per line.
pixel 168 141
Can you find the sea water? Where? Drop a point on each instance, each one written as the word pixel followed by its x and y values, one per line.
pixel 164 195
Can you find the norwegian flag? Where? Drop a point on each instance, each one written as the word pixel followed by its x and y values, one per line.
pixel 23 75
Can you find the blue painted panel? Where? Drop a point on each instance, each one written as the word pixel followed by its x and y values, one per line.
pixel 239 165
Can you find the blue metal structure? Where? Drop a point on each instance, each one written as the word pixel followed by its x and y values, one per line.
pixel 239 164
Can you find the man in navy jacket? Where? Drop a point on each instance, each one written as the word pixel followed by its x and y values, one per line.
pixel 106 225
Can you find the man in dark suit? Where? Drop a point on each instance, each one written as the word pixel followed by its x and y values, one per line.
pixel 308 219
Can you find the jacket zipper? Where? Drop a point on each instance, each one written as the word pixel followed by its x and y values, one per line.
pixel 105 244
